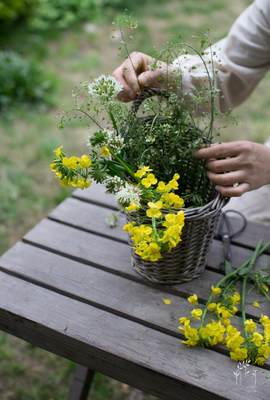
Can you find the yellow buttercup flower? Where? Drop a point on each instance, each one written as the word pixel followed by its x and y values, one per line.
pixel 191 335
pixel 173 184
pixel 184 321
pixel 235 298
pixel 213 332
pixel 250 325
pixel 193 299
pixel 150 180
pixel 85 161
pixel 105 151
pixel 212 306
pixel 256 304
pixel 162 187
pixel 239 354
pixel 59 151
pixel 128 227
pixel 132 207
pixel 257 338
pixel 71 162
pixel 167 301
pixel 53 166
pixel 174 219
pixel 154 209
pixel 196 313
pixel 141 172
pixel 172 200
pixel 215 290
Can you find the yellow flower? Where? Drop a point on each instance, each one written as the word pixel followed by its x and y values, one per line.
pixel 212 306
pixel 59 151
pixel 215 290
pixel 213 332
pixel 172 200
pixel 128 227
pixel 154 209
pixel 193 299
pixel 174 219
pixel 152 252
pixel 149 180
pixel 141 233
pixel 167 301
pixel 234 339
pixel 141 172
pixel 173 184
pixel 105 151
pixel 184 321
pixel 223 311
pixel 71 162
pixel 172 235
pixel 53 166
pixel 250 325
pixel 162 187
pixel 132 207
pixel 260 361
pixel 196 313
pixel 239 354
pixel 256 304
pixel 257 338
pixel 85 161
pixel 191 335
pixel 235 298
pixel 83 183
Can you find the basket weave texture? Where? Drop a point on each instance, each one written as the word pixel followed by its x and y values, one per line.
pixel 188 259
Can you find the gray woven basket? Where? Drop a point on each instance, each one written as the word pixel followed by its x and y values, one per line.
pixel 188 259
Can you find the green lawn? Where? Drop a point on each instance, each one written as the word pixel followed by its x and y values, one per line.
pixel 27 189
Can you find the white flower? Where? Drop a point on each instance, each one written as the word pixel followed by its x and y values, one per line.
pixel 115 141
pixel 104 87
pixel 114 184
pixel 128 194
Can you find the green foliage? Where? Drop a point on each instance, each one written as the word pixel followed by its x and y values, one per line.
pixel 12 10
pixel 22 81
pixel 60 14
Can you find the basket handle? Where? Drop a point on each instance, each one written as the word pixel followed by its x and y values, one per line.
pixel 145 94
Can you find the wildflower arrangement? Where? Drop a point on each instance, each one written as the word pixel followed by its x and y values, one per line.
pixel 217 323
pixel 144 157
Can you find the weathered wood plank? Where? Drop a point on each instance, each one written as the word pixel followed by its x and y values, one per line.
pixel 89 217
pixel 251 235
pixel 123 349
pixel 107 291
pixel 96 194
pixel 92 219
pixel 115 257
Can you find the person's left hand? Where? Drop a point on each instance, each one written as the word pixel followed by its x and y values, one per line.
pixel 237 167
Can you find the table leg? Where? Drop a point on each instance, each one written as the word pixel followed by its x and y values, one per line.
pixel 81 383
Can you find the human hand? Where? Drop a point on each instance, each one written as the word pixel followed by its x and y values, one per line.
pixel 237 167
pixel 136 73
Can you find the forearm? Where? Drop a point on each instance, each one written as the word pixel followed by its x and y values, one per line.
pixel 240 60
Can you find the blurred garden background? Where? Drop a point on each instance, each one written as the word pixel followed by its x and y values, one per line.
pixel 47 47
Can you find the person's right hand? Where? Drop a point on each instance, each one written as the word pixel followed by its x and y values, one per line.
pixel 135 73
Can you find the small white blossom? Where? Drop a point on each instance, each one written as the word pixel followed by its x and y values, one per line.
pixel 114 184
pixel 128 194
pixel 115 141
pixel 104 88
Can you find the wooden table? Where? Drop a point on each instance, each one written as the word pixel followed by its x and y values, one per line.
pixel 68 287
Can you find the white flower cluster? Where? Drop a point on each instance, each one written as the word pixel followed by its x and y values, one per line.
pixel 128 194
pixel 113 184
pixel 104 88
pixel 115 141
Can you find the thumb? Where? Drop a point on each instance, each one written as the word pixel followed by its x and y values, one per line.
pixel 150 79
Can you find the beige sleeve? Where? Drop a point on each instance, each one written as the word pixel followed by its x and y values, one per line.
pixel 240 60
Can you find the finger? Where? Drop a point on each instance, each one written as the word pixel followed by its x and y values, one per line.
pixel 131 78
pixel 126 93
pixel 233 191
pixel 150 79
pixel 227 179
pixel 222 150
pixel 227 164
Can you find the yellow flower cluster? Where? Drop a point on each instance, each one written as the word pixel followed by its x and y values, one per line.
pixel 69 169
pixel 164 232
pixel 253 344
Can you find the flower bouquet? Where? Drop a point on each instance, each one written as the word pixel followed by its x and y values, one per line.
pixel 144 155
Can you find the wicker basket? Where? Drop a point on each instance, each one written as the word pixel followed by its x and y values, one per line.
pixel 188 259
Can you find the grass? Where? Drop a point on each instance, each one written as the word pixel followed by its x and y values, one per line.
pixel 28 191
